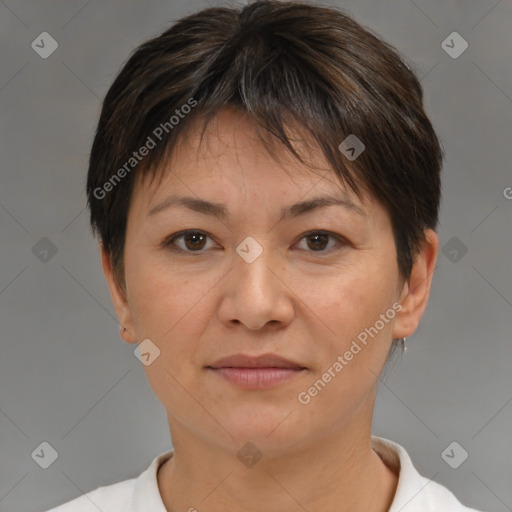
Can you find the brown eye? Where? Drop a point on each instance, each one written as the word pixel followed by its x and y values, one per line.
pixel 318 242
pixel 187 241
pixel 194 241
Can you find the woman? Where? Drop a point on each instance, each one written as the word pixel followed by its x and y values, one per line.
pixel 265 185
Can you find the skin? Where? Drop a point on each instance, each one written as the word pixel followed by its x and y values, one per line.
pixel 302 304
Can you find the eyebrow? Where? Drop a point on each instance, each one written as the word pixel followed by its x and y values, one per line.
pixel 220 210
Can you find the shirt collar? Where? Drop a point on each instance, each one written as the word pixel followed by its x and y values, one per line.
pixel 413 491
pixel 146 494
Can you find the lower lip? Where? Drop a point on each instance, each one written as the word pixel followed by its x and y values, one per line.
pixel 257 378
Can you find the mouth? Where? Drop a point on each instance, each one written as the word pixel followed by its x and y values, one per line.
pixel 259 372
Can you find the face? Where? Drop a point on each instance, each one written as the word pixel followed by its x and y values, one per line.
pixel 256 275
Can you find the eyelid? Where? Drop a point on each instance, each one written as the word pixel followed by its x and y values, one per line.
pixel 168 242
pixel 341 240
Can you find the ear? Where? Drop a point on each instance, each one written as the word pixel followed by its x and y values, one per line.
pixel 118 298
pixel 415 293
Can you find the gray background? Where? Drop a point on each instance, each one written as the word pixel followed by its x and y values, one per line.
pixel 66 376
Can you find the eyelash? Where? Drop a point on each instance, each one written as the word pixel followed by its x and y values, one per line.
pixel 169 242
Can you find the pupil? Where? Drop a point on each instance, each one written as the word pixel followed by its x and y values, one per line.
pixel 323 239
pixel 194 238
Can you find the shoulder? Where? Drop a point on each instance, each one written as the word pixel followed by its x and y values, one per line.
pixel 107 498
pixel 134 495
pixel 437 495
pixel 414 492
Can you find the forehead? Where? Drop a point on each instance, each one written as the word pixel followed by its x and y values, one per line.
pixel 230 157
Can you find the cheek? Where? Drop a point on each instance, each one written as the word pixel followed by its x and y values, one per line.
pixel 162 298
pixel 170 309
pixel 351 307
pixel 351 297
pixel 348 307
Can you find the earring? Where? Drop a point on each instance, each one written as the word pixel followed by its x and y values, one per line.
pixel 402 342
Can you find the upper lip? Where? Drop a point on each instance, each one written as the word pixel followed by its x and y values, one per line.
pixel 261 361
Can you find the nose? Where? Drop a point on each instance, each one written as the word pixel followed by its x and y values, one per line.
pixel 256 294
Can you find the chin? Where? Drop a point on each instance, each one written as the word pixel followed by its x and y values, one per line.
pixel 271 427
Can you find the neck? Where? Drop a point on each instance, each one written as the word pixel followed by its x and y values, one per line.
pixel 340 472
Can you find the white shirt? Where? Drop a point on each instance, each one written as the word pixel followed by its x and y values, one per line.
pixel 414 492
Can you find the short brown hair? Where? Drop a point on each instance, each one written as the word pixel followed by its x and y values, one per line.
pixel 279 63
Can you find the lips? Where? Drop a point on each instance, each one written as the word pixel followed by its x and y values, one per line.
pixel 261 361
pixel 256 372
